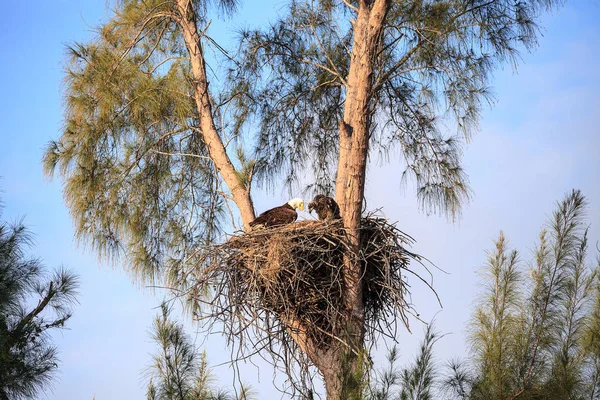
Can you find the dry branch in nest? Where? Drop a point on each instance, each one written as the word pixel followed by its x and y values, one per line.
pixel 269 285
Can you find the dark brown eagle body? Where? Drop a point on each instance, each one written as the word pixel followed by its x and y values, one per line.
pixel 325 206
pixel 282 215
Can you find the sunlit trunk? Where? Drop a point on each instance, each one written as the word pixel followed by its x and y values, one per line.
pixel 345 373
pixel 218 153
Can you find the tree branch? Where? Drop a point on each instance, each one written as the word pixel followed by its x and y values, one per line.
pixel 29 317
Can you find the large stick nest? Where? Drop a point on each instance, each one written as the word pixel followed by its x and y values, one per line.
pixel 268 285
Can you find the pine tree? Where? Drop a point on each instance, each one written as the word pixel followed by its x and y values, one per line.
pixel 417 381
pixel 32 305
pixel 178 370
pixel 146 149
pixel 534 332
pixel 533 335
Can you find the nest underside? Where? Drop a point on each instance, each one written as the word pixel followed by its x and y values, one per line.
pixel 291 279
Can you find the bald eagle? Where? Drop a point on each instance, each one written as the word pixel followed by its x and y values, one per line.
pixel 326 207
pixel 282 215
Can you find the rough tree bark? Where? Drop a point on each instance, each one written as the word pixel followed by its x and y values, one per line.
pixel 343 375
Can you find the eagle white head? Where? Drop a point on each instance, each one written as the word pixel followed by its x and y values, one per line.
pixel 297 203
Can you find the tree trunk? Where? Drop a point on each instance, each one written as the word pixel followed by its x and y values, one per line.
pixel 343 373
pixel 344 378
pixel 218 153
pixel 341 365
pixel 333 377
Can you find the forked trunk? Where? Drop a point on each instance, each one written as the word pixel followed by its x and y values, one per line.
pixel 341 364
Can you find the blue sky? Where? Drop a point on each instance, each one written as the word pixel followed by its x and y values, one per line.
pixel 541 139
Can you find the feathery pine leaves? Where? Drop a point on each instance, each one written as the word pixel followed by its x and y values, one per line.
pixel 138 178
pixel 418 380
pixel 137 173
pixel 434 63
pixel 179 371
pixel 31 305
pixel 495 319
pixel 591 340
pixel 414 382
pixel 531 336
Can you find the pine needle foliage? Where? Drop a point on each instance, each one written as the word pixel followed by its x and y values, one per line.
pixel 32 304
pixel 531 335
pixel 591 340
pixel 179 371
pixel 535 329
pixel 138 177
pixel 417 381
pixel 434 62
pixel 384 382
pixel 495 318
